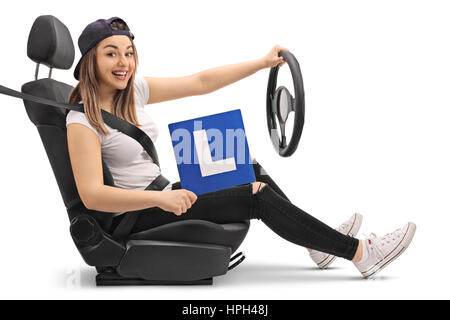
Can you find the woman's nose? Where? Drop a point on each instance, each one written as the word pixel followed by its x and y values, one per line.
pixel 122 61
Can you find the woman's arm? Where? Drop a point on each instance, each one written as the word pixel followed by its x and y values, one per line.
pixel 85 157
pixel 112 199
pixel 216 78
pixel 164 89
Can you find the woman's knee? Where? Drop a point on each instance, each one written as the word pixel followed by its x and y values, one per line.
pixel 257 186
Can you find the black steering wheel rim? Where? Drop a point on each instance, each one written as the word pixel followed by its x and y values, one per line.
pixel 297 103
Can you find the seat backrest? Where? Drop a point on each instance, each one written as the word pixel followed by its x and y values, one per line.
pixel 50 43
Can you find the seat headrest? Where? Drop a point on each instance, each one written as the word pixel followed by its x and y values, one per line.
pixel 50 43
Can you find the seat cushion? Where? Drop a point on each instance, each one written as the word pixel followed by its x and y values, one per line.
pixel 197 231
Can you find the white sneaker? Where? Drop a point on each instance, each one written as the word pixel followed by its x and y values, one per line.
pixel 379 252
pixel 350 228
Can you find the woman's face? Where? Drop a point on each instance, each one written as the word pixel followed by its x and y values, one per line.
pixel 115 61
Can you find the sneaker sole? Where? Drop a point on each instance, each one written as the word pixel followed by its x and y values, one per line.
pixel 352 232
pixel 409 235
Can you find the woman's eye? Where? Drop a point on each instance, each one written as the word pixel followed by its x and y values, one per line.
pixel 112 54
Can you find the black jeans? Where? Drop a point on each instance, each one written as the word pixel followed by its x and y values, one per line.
pixel 269 204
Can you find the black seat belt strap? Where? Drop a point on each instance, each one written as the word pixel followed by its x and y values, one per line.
pixel 110 119
pixel 133 132
pixel 127 223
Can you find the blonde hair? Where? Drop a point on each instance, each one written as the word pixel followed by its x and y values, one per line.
pixel 87 92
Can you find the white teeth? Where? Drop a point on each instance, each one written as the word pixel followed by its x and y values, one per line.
pixel 120 73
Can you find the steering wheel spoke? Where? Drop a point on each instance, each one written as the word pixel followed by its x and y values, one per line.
pixel 292 106
pixel 283 143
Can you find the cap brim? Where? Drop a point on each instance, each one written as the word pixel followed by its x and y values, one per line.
pixel 76 72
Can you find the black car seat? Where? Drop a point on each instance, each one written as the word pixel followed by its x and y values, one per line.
pixel 184 252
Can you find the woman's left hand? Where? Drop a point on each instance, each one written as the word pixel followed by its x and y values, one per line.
pixel 272 59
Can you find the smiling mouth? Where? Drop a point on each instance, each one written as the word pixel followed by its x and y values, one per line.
pixel 120 75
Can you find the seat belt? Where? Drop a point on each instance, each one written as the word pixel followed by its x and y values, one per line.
pixel 126 224
pixel 114 122
pixel 123 230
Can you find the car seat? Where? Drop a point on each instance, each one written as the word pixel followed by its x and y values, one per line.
pixel 184 252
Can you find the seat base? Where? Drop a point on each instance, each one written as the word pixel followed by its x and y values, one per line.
pixel 109 278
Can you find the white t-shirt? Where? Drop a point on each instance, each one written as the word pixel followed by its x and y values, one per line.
pixel 130 165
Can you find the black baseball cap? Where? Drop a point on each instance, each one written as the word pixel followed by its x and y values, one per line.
pixel 96 32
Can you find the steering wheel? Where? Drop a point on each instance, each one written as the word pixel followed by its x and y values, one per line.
pixel 280 103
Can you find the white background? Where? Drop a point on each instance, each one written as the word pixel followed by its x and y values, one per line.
pixel 375 141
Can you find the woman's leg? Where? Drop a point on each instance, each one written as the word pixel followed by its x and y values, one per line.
pixel 297 226
pixel 239 203
pixel 261 175
pixel 224 206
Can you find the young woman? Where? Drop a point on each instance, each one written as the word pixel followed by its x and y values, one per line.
pixel 107 80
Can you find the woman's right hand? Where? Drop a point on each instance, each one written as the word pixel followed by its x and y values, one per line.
pixel 176 201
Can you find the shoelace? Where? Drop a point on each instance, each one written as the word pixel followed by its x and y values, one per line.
pixel 342 227
pixel 376 244
pixel 391 236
